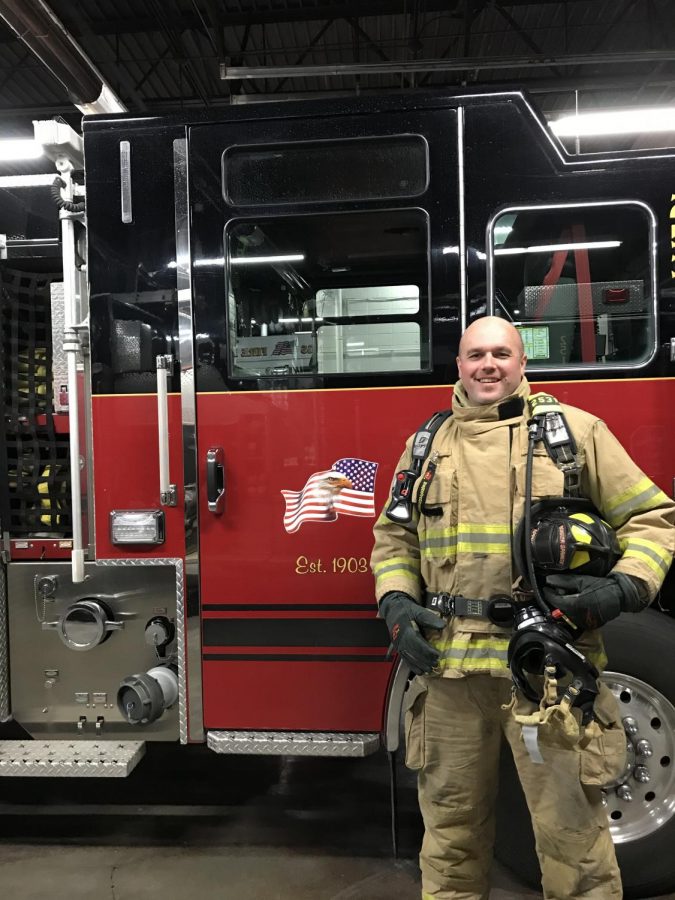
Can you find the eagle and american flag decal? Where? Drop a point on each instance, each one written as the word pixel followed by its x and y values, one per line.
pixel 347 488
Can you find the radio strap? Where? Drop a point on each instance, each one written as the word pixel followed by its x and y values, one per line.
pixel 558 440
pixel 400 509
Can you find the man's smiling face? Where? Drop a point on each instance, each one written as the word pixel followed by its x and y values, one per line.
pixel 491 360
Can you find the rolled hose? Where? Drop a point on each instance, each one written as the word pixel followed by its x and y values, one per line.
pixel 57 185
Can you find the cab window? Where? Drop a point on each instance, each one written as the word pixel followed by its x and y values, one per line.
pixel 577 281
pixel 328 294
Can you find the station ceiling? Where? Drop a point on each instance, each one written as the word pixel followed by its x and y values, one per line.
pixel 167 55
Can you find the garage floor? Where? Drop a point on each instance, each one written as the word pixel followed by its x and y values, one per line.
pixel 190 823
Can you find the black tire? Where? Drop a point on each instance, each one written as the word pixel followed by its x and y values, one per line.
pixel 642 647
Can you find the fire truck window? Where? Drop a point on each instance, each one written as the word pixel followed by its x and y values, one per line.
pixel 331 171
pixel 343 293
pixel 577 282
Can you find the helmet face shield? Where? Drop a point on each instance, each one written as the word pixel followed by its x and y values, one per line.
pixel 567 536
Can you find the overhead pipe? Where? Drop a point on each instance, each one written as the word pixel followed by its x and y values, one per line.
pixel 459 64
pixel 46 36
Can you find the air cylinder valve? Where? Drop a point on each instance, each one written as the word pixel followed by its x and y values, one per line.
pixel 142 699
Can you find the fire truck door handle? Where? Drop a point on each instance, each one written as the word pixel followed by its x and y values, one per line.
pixel 215 480
pixel 167 491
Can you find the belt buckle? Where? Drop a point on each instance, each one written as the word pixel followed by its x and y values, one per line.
pixel 444 604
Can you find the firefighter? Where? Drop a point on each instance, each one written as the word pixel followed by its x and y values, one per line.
pixel 460 702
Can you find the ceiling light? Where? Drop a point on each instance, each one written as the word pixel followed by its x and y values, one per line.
pixel 252 260
pixel 618 121
pixel 545 248
pixel 20 149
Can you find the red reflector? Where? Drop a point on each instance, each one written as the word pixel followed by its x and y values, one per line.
pixel 617 295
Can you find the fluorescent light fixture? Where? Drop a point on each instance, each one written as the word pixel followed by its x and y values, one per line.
pixel 447 250
pixel 544 248
pixel 214 261
pixel 618 121
pixel 254 260
pixel 303 319
pixel 20 149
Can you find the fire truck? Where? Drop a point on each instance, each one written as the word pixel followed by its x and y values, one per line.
pixel 214 346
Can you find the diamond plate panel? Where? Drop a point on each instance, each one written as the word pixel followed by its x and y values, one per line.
pixel 59 358
pixel 180 629
pixel 80 759
pixel 288 743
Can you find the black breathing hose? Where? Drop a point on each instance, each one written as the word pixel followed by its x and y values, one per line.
pixel 57 185
pixel 536 431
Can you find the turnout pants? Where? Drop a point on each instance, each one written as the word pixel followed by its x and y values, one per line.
pixel 454 729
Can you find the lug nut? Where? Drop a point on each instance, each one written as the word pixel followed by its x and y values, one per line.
pixel 641 774
pixel 630 725
pixel 644 748
pixel 623 792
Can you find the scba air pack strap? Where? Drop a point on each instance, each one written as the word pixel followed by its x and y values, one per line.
pixel 558 440
pixel 400 508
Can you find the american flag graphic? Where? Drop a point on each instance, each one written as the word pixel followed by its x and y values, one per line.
pixel 348 487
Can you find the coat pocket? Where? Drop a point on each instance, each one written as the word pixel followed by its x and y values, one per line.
pixel 413 705
pixel 603 748
pixel 438 517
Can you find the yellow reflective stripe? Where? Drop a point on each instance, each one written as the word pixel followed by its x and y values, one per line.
pixel 489 663
pixel 632 546
pixel 479 547
pixel 484 529
pixel 489 652
pixel 642 496
pixel 490 640
pixel 397 562
pixel 467 537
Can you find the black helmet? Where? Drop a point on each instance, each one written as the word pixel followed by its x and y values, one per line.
pixel 567 535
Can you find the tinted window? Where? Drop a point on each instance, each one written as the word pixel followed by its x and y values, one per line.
pixel 352 169
pixel 577 282
pixel 328 294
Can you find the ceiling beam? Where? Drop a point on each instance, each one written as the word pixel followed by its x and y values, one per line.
pixel 470 64
pixel 193 21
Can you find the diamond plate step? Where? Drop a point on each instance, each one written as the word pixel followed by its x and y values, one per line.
pixel 83 759
pixel 293 743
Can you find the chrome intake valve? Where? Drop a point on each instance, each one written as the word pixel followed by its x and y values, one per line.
pixel 141 699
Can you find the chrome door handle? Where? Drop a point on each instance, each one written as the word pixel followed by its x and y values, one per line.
pixel 215 480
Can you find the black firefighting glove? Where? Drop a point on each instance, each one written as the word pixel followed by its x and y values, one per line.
pixel 589 602
pixel 404 618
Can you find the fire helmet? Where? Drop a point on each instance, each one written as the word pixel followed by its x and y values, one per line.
pixel 567 535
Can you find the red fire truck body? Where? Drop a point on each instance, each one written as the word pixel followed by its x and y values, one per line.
pixel 298 276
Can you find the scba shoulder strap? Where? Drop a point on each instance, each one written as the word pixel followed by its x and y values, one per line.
pixel 558 439
pixel 400 509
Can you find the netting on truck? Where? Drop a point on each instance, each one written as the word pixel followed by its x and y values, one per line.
pixel 36 492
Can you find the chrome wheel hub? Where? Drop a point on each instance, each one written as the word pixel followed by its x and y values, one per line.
pixel 643 799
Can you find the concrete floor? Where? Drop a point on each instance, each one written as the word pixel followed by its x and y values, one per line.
pixel 188 823
pixel 151 873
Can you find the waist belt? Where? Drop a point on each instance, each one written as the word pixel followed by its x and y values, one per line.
pixel 499 610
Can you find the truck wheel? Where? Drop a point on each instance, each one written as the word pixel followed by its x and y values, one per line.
pixel 640 673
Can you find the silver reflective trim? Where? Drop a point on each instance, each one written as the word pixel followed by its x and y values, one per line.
pixel 180 630
pixel 125 182
pixel 293 743
pixel 193 642
pixel 463 299
pixel 622 367
pixel 83 759
pixel 5 709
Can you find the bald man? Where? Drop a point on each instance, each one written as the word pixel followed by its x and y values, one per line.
pixel 459 542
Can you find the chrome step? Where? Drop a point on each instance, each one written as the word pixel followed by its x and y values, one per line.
pixel 293 743
pixel 83 759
